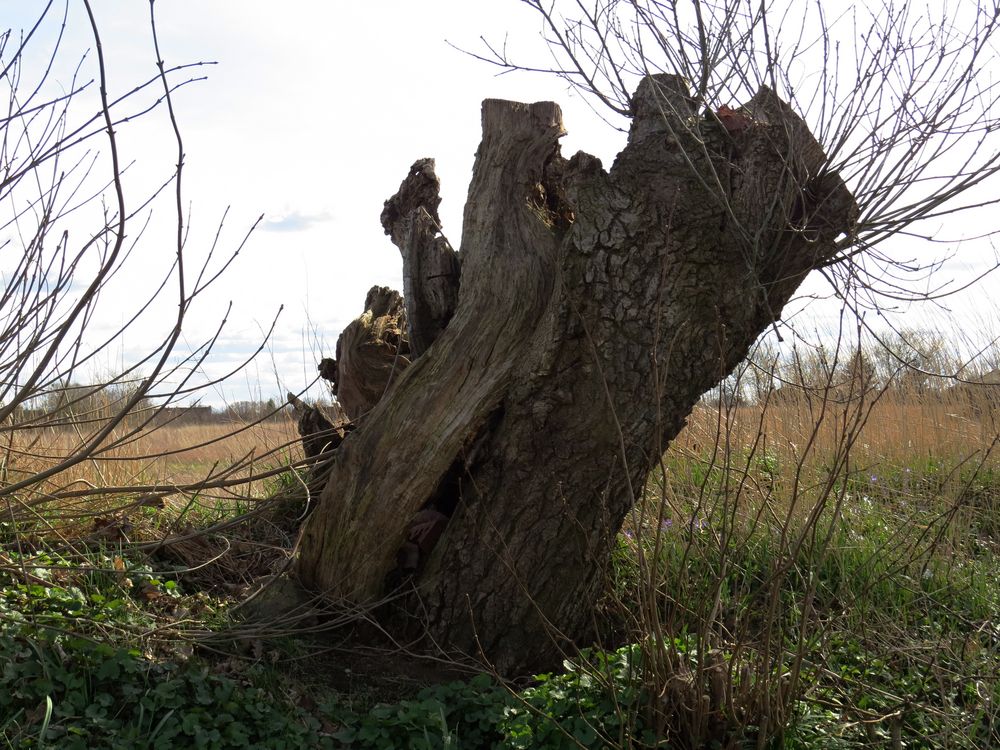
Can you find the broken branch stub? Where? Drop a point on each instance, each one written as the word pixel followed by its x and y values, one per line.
pixel 372 352
pixel 431 270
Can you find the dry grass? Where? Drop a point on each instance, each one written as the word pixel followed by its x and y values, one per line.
pixel 190 467
pixel 894 430
pixel 168 455
pixel 260 446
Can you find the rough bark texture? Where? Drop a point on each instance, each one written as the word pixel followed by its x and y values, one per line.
pixel 595 308
pixel 371 353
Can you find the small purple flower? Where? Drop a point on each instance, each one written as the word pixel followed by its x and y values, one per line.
pixel 629 534
pixel 874 478
pixel 666 524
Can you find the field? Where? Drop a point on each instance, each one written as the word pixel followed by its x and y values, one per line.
pixel 168 455
pixel 212 467
pixel 808 571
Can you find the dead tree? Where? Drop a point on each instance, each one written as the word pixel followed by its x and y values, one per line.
pixel 595 307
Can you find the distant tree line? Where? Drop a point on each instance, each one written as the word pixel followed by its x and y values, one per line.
pixel 907 365
pixel 69 403
pixel 73 404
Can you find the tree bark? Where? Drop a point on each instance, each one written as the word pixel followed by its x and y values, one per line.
pixel 431 270
pixel 371 353
pixel 595 308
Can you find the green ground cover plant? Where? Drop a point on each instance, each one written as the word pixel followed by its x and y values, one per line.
pixel 880 622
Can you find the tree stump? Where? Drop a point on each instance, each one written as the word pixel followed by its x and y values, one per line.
pixel 594 309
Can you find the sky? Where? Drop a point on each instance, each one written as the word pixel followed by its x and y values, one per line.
pixel 310 117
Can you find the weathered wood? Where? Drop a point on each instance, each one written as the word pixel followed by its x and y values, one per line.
pixel 372 352
pixel 319 435
pixel 595 308
pixel 431 271
pixel 444 398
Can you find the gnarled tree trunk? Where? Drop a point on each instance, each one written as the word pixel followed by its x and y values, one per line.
pixel 595 307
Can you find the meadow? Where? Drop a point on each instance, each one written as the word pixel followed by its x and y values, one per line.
pixel 814 567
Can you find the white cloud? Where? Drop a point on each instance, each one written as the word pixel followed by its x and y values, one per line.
pixel 295 221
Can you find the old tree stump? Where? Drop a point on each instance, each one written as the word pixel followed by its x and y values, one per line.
pixel 553 357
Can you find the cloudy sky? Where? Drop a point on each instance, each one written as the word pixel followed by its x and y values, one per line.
pixel 311 117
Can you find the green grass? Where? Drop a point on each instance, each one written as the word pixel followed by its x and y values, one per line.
pixel 876 624
pixel 887 605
